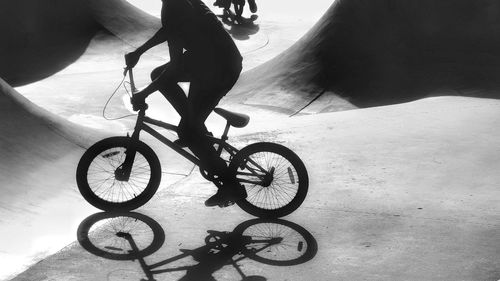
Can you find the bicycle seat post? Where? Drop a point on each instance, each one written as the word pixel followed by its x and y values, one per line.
pixel 224 137
pixel 226 131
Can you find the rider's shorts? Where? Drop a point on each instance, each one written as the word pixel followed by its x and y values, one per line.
pixel 210 79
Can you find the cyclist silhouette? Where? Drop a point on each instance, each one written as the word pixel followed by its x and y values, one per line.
pixel 204 54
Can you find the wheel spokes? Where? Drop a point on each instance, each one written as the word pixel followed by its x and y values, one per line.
pixel 102 181
pixel 282 187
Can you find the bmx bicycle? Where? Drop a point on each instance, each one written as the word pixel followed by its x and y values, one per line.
pixel 130 236
pixel 123 173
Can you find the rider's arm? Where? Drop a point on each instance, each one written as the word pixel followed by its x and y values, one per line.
pixel 132 58
pixel 175 51
pixel 175 43
pixel 159 37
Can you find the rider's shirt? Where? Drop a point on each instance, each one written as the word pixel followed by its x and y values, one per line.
pixel 200 32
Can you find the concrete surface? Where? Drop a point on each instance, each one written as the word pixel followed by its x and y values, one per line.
pixel 38 161
pixel 365 53
pixel 40 152
pixel 403 192
pixel 406 197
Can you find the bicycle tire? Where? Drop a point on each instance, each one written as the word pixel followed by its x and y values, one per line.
pixel 105 192
pixel 101 240
pixel 297 245
pixel 291 170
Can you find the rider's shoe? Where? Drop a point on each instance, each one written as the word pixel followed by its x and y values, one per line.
pixel 227 194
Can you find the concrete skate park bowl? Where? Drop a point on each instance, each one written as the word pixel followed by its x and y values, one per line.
pixel 395 113
pixel 371 53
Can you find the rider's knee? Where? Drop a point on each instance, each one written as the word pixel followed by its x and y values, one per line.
pixel 156 73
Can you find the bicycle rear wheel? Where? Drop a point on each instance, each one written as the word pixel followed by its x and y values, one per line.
pixel 274 177
pixel 96 179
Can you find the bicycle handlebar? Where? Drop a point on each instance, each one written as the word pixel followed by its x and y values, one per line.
pixel 138 107
pixel 131 76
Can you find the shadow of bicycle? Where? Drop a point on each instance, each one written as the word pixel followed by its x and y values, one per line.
pixel 133 236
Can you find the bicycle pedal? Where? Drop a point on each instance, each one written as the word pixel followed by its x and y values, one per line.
pixel 226 204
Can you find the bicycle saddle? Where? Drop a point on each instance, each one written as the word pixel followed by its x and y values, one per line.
pixel 237 120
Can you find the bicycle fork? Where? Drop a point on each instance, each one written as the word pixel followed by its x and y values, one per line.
pixel 122 173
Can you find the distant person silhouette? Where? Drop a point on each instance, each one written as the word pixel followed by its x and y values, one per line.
pixel 238 8
pixel 204 54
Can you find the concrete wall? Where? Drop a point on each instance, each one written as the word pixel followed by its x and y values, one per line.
pixel 40 37
pixel 371 53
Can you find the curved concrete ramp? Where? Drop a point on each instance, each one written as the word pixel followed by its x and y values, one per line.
pixel 40 206
pixel 39 152
pixel 124 20
pixel 403 192
pixel 367 53
pixel 411 186
pixel 39 39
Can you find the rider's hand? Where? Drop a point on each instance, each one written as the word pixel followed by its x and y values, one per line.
pixel 132 58
pixel 138 101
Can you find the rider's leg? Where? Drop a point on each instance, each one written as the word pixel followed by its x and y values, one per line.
pixel 226 4
pixel 252 5
pixel 169 87
pixel 204 95
pixel 211 80
pixel 192 127
pixel 231 189
pixel 238 8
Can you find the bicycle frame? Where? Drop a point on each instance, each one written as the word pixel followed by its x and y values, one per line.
pixel 123 172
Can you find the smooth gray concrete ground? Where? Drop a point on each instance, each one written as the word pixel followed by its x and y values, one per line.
pixel 407 196
pixel 78 93
pixel 405 192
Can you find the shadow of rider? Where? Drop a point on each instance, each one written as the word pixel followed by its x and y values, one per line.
pixel 210 260
pixel 272 242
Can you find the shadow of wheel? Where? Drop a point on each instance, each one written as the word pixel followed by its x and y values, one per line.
pixel 295 245
pixel 102 234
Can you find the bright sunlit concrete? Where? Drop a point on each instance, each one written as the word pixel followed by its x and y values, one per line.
pixel 402 192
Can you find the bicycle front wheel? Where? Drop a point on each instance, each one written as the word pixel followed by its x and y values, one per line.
pixel 95 175
pixel 275 179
